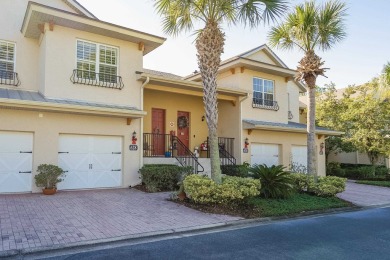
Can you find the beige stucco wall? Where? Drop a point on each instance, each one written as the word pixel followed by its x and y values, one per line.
pixel 262 57
pixel 47 128
pixel 293 91
pixel 172 103
pixel 285 140
pixel 27 50
pixel 354 158
pixel 60 61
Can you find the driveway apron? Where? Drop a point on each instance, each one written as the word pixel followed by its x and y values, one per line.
pixel 365 195
pixel 35 220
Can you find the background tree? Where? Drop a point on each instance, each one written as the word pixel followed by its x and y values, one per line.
pixel 180 15
pixel 328 109
pixel 366 120
pixel 311 27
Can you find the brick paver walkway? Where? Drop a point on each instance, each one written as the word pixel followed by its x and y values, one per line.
pixel 365 195
pixel 35 220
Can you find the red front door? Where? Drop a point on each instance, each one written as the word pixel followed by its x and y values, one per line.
pixel 158 131
pixel 183 130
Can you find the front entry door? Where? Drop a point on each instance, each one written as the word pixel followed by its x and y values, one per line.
pixel 158 130
pixel 183 130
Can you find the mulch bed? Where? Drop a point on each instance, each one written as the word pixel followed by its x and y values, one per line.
pixel 141 188
pixel 241 211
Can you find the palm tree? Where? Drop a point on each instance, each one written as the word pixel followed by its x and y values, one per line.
pixel 311 27
pixel 180 15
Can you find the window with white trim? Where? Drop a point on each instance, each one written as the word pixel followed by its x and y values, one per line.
pixel 263 92
pixel 7 59
pixel 96 59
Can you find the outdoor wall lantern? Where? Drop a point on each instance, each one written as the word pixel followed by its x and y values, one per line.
pixel 322 146
pixel 134 138
pixel 246 142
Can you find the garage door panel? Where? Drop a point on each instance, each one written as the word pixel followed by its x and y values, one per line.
pixel 267 154
pixel 15 142
pixel 106 162
pixel 75 180
pixel 107 145
pixel 106 179
pixel 299 155
pixel 15 162
pixel 74 144
pixel 99 167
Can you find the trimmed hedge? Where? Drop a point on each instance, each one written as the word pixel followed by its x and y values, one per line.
pixel 232 191
pixel 235 170
pixel 160 177
pixel 327 186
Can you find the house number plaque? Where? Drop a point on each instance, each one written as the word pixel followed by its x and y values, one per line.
pixel 133 147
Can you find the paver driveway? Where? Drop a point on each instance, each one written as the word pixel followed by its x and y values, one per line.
pixel 365 195
pixel 35 220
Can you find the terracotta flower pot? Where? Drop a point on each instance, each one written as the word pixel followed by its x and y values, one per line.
pixel 49 191
pixel 182 196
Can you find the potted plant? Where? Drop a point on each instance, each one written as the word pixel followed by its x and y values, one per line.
pixel 48 176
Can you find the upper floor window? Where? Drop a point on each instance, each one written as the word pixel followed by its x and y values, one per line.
pixel 7 64
pixel 97 60
pixel 263 94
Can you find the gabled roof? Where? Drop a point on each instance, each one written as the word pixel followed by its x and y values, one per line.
pixel 37 14
pixel 79 8
pixel 289 127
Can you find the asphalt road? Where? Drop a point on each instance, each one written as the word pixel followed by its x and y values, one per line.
pixel 354 235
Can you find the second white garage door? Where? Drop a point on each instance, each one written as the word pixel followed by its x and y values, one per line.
pixel 299 155
pixel 90 161
pixel 267 154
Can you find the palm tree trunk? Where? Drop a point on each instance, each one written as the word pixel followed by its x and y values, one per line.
pixel 311 145
pixel 209 45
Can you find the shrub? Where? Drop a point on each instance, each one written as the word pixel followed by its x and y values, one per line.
pixel 235 170
pixel 275 181
pixel 162 177
pixel 334 169
pixel 364 172
pixel 48 176
pixel 233 190
pixel 327 186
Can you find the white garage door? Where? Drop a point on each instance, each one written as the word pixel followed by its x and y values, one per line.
pixel 15 162
pixel 299 155
pixel 265 154
pixel 90 161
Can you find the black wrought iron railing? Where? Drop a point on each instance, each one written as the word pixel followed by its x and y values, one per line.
pixel 166 145
pixel 265 104
pixel 9 78
pixel 226 150
pixel 184 155
pixel 96 79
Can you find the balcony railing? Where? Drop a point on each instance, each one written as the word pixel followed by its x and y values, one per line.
pixel 96 79
pixel 265 104
pixel 9 78
pixel 290 115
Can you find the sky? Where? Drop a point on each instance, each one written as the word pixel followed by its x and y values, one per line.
pixel 355 60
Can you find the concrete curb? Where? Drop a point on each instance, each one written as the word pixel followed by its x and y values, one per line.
pixel 175 232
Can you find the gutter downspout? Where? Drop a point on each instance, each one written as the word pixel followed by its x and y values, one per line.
pixel 241 137
pixel 141 158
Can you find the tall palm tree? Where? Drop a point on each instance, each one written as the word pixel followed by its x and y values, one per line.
pixel 310 27
pixel 180 15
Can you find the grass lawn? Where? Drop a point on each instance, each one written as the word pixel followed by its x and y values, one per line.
pixel 295 204
pixel 260 207
pixel 375 183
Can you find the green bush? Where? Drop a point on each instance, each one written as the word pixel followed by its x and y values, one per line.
pixel 233 190
pixel 334 169
pixel 162 177
pixel 364 172
pixel 327 186
pixel 48 176
pixel 275 181
pixel 235 170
